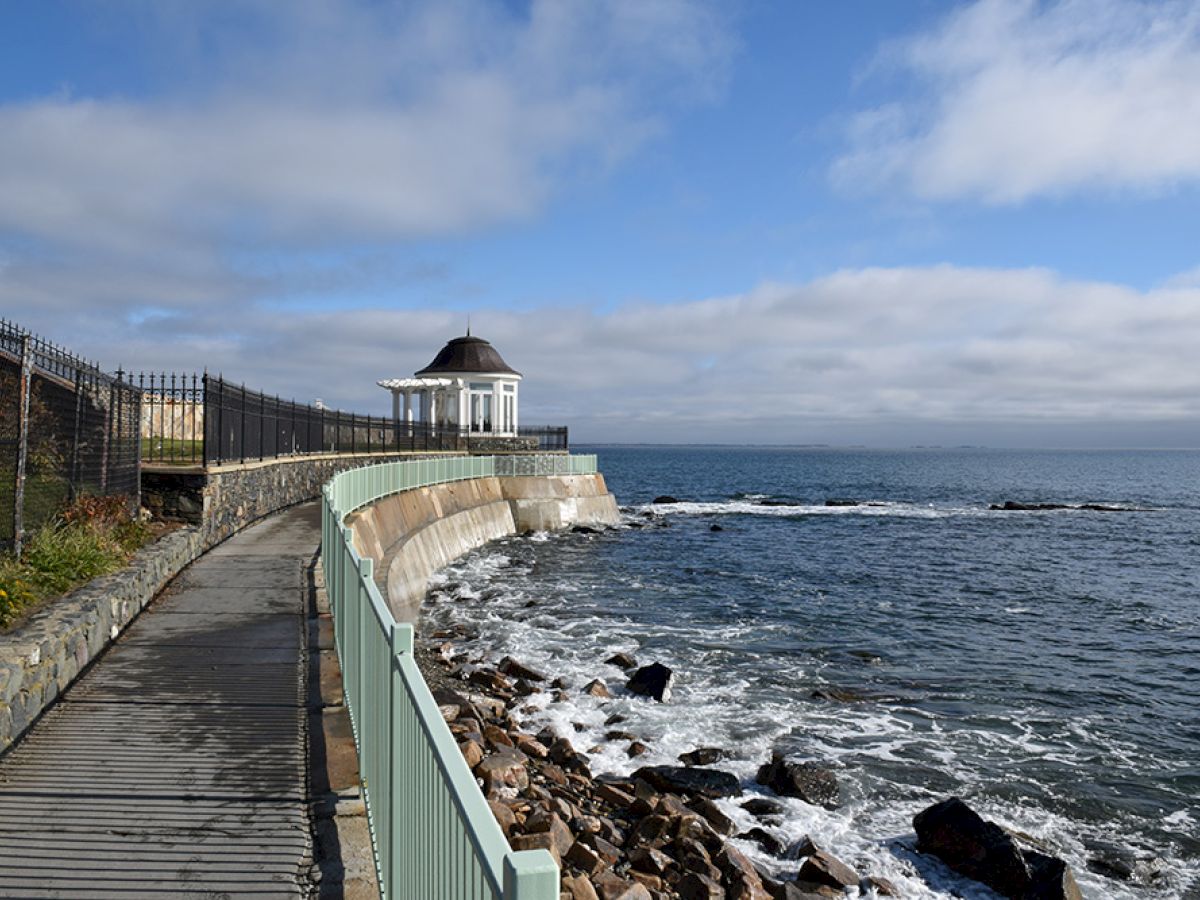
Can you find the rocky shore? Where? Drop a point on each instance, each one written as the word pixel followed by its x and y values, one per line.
pixel 662 832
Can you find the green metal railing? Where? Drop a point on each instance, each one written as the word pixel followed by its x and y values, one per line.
pixel 432 830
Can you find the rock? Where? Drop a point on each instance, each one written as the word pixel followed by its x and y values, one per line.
pixel 621 661
pixel 664 499
pixel 497 736
pixel 491 681
pixel 880 885
pixel 1052 878
pixel 838 695
pixel 611 886
pixel 837 502
pixel 715 527
pixel 578 887
pixel 720 822
pixel 971 846
pixel 809 890
pixel 1013 506
pixel 584 529
pixel 702 756
pixel 504 816
pixel 471 752
pixel 531 746
pixel 614 795
pixel 647 859
pixel 810 782
pixel 505 768
pixel 825 868
pixel 596 688
pixel 763 807
pixel 653 680
pixel 635 749
pixel 602 848
pixel 650 831
pixel 541 841
pixel 584 858
pixel 710 783
pixel 694 886
pixel 553 825
pixel 511 667
pixel 766 841
pixel 772 503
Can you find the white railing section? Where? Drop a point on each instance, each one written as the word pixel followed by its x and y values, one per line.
pixel 433 833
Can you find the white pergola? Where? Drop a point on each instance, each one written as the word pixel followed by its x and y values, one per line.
pixel 467 387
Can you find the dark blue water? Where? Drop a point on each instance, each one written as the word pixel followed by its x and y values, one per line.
pixel 1043 665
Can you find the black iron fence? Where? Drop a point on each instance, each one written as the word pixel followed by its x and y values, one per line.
pixel 205 420
pixel 549 437
pixel 66 429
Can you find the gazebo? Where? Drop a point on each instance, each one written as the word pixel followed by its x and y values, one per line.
pixel 468 388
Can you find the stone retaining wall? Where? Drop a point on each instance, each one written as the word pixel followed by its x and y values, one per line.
pixel 42 657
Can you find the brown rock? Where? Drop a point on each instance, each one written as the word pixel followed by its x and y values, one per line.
pixel 584 858
pixel 808 890
pixel 622 661
pixel 650 831
pixel 673 806
pixel 490 680
pixel 449 711
pixel 825 868
pixel 597 688
pixel 531 746
pixel 646 880
pixel 741 886
pixel 497 736
pixel 503 769
pixel 611 886
pixel 614 795
pixel 505 817
pixel 766 841
pixel 578 887
pixel 647 859
pixel 811 783
pixel 606 851
pixel 881 886
pixel 720 822
pixel 635 749
pixel 471 752
pixel 536 842
pixel 510 666
pixel 694 886
pixel 732 861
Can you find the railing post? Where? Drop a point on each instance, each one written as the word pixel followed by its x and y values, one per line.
pixel 530 875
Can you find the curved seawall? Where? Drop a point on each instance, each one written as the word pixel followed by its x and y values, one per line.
pixel 412 534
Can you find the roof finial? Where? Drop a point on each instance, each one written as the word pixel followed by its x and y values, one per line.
pixel 468 324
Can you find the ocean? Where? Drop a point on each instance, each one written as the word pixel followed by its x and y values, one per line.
pixel 1042 665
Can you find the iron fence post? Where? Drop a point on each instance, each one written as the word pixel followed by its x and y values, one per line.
pixel 23 389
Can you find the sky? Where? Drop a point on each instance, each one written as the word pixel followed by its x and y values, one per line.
pixel 863 222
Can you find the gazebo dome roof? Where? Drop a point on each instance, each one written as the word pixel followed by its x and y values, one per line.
pixel 468 354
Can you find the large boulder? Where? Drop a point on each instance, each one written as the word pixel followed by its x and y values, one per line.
pixel 979 849
pixel 810 782
pixel 692 780
pixel 654 680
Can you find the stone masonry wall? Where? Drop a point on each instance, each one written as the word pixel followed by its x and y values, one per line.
pixel 42 657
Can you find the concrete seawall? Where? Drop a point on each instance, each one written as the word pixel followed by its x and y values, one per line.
pixel 412 534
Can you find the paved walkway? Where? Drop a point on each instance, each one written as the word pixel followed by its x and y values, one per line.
pixel 177 765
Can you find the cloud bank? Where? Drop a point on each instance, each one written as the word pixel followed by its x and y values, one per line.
pixel 1016 100
pixel 878 355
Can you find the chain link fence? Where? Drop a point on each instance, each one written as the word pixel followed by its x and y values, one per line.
pixel 66 429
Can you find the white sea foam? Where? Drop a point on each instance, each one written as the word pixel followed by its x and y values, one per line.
pixel 714 705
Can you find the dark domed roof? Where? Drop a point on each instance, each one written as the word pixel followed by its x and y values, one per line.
pixel 467 354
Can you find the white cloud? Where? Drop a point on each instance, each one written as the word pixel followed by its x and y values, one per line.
pixel 1018 98
pixel 900 353
pixel 318 120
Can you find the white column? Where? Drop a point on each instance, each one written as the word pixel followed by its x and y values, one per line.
pixel 395 404
pixel 516 422
pixel 432 395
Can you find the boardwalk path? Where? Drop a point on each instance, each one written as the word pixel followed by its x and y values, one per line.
pixel 177 766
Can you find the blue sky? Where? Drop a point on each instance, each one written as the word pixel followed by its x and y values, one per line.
pixel 863 222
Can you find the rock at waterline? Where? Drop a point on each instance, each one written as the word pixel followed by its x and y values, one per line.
pixel 711 783
pixel 715 527
pixel 810 782
pixel 510 666
pixel 664 499
pixel 837 502
pixel 702 756
pixel 653 680
pixel 621 661
pixel 979 849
